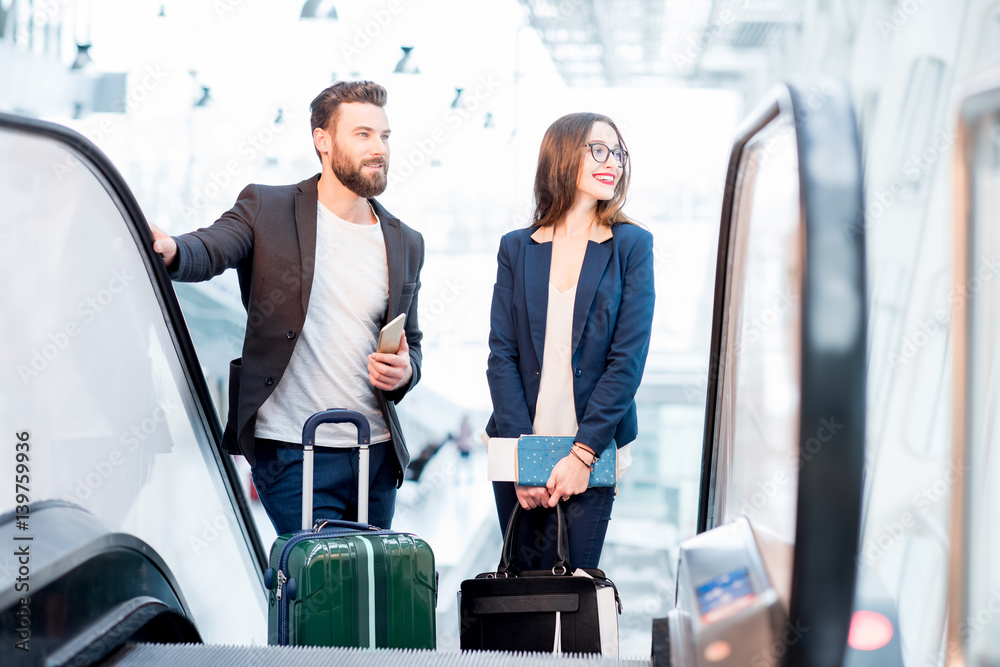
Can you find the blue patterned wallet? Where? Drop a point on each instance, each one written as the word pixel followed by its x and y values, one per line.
pixel 537 455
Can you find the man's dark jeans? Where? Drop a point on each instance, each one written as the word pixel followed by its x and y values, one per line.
pixel 278 478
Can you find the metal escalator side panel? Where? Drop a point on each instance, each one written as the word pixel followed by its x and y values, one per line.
pixel 973 582
pixel 727 612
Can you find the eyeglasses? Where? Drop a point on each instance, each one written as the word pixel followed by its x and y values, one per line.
pixel 600 152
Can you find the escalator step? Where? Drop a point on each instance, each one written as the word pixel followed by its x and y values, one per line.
pixel 201 655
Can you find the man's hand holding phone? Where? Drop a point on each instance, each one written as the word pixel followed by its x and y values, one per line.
pixel 388 370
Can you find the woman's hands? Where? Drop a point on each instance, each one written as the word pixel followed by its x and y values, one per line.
pixel 531 497
pixel 569 477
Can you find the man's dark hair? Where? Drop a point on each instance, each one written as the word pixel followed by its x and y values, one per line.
pixel 326 106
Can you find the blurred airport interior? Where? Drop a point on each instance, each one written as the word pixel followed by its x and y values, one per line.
pixel 193 100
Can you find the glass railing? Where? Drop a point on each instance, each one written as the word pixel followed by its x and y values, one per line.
pixel 102 382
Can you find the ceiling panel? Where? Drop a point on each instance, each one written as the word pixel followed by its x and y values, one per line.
pixel 662 42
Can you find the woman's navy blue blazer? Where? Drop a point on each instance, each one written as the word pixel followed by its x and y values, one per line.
pixel 612 318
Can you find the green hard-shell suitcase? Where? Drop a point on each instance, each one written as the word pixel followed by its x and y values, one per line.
pixel 342 583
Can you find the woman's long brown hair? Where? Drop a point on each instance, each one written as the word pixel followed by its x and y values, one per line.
pixel 559 161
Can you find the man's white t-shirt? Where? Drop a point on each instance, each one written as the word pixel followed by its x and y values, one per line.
pixel 329 365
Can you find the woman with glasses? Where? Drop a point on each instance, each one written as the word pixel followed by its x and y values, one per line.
pixel 570 327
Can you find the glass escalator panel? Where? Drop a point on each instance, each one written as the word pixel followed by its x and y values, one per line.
pixel 759 401
pixel 96 385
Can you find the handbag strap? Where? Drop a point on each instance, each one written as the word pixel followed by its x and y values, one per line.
pixel 507 565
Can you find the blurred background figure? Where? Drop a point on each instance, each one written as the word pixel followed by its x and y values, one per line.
pixel 464 440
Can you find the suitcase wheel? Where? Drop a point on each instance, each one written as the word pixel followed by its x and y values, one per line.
pixel 269 578
pixel 291 588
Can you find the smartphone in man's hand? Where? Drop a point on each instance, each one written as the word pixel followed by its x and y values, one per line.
pixel 389 336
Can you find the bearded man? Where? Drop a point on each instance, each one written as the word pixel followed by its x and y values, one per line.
pixel 322 267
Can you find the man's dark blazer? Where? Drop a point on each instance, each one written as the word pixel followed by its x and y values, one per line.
pixel 269 237
pixel 612 319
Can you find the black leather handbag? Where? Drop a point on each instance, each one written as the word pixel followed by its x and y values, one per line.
pixel 561 610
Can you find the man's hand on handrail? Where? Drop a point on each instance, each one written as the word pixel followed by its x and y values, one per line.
pixel 164 244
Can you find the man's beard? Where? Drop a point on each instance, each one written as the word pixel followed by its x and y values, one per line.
pixel 352 176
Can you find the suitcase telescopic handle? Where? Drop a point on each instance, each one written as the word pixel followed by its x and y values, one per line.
pixel 334 416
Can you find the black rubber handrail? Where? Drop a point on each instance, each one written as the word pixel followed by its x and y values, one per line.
pixel 143 616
